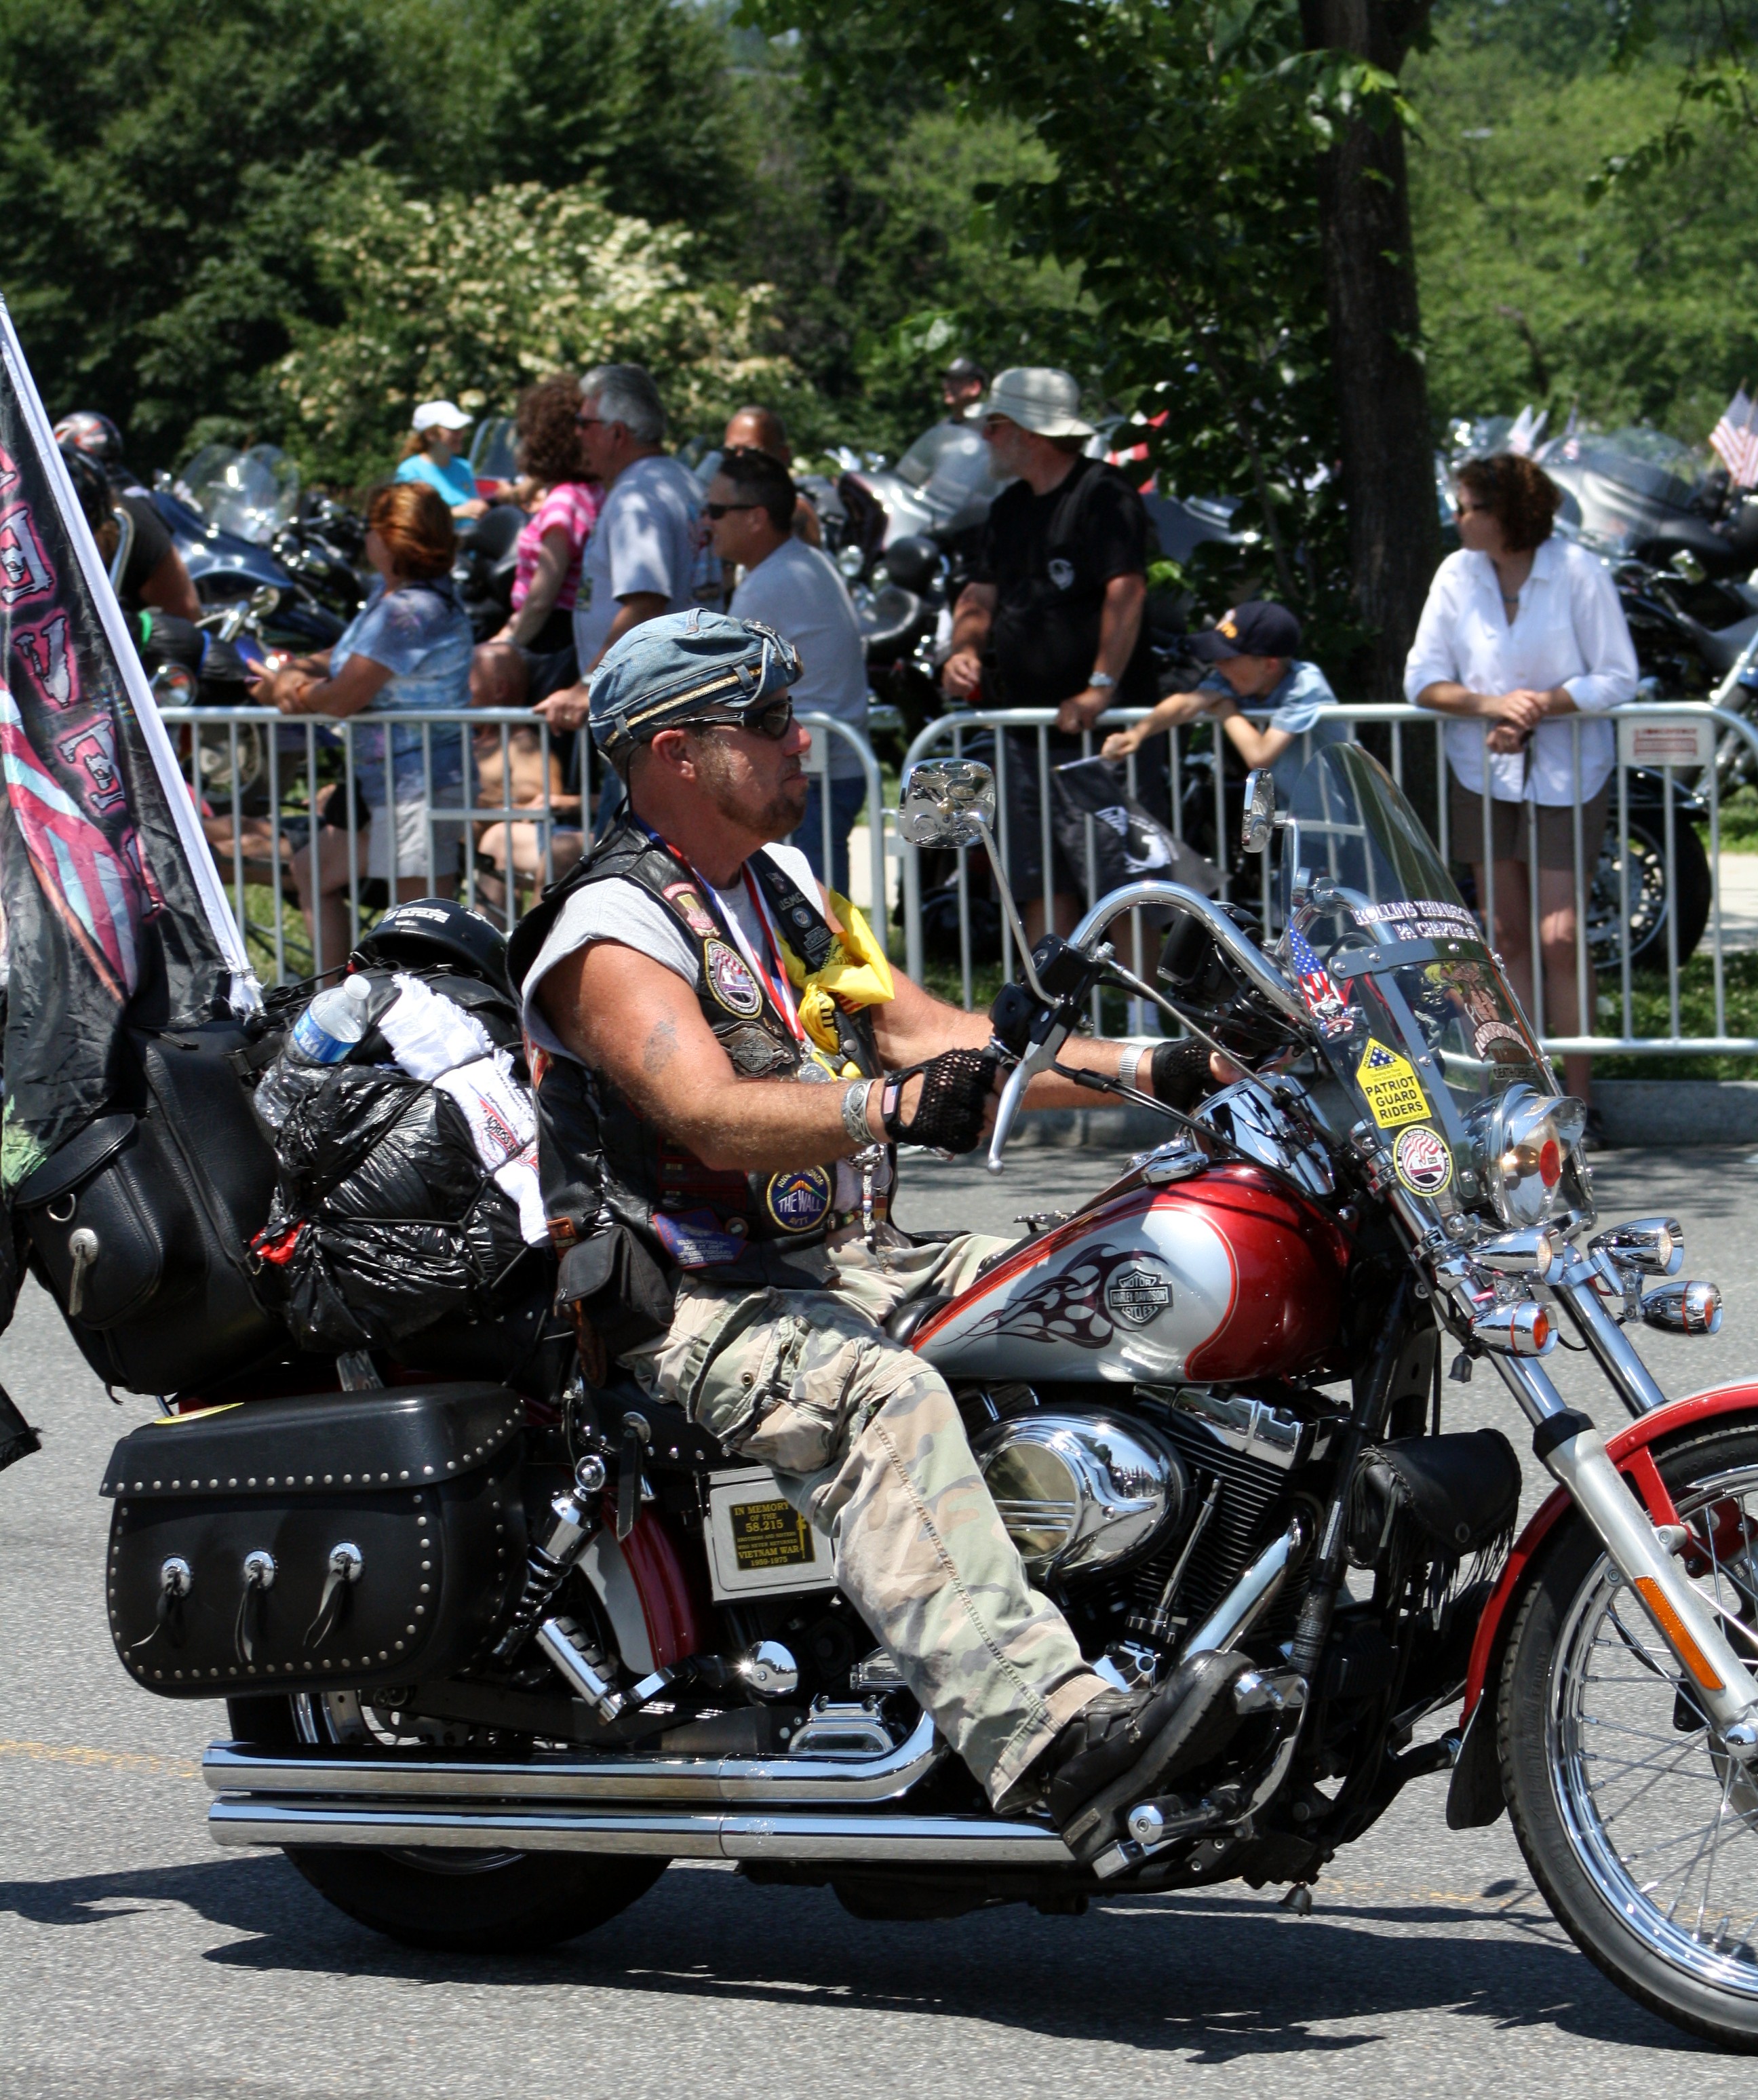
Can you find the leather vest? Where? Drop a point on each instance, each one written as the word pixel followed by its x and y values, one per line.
pixel 602 1164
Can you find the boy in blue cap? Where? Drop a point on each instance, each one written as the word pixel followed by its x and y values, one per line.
pixel 1255 651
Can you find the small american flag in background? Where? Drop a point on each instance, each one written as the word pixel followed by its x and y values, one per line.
pixel 1321 995
pixel 1735 438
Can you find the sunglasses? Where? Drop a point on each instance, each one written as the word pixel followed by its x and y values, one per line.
pixel 586 422
pixel 720 510
pixel 768 718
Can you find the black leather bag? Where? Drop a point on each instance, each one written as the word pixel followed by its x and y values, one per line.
pixel 344 1539
pixel 141 1225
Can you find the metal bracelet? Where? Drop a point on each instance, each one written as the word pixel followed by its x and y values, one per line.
pixel 855 1111
pixel 1130 1063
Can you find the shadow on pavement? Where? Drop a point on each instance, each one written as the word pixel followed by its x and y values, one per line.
pixel 1209 1982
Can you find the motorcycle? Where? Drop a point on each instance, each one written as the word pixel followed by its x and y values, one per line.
pixel 491 1662
pixel 244 527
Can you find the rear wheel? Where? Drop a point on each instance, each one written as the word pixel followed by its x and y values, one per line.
pixel 1640 1832
pixel 491 1902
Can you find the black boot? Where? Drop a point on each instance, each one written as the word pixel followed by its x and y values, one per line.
pixel 1124 1746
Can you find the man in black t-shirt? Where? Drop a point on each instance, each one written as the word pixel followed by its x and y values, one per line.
pixel 1052 617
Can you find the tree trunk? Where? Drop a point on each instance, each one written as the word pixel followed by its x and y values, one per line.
pixel 1388 472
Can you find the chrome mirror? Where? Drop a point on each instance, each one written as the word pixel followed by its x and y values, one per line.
pixel 1260 810
pixel 949 802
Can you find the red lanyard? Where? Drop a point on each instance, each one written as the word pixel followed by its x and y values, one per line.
pixel 777 986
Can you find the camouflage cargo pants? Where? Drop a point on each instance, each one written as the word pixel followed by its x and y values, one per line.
pixel 866 1442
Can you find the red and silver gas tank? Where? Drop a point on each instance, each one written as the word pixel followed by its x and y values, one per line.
pixel 1223 1278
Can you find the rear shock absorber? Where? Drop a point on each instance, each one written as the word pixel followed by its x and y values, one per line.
pixel 574 1518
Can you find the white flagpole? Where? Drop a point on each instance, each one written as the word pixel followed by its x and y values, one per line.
pixel 246 994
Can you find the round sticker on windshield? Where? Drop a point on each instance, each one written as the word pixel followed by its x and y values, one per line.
pixel 1425 1166
pixel 730 980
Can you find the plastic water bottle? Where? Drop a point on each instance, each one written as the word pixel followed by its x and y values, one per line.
pixel 323 1034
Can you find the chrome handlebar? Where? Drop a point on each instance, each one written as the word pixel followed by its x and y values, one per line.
pixel 1251 964
pixel 1087 937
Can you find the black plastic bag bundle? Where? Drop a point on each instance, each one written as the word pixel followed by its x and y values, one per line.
pixel 1128 844
pixel 384 1222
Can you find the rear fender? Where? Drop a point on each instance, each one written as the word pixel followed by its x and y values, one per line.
pixel 1474 1797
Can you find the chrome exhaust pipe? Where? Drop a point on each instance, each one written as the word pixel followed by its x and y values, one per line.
pixel 942 1840
pixel 820 1780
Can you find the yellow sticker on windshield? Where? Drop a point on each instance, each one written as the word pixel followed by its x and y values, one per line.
pixel 1393 1092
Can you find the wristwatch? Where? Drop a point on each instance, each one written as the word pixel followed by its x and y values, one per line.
pixel 1101 681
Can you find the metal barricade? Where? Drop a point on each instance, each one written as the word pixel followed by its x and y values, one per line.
pixel 1635 900
pixel 475 802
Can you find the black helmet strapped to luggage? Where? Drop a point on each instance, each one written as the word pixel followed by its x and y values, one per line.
pixel 435 933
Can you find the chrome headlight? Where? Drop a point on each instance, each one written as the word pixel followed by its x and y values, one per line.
pixel 1523 1142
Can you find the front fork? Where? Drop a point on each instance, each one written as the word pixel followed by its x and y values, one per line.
pixel 1572 1450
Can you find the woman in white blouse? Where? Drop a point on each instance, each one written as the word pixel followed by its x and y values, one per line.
pixel 1523 642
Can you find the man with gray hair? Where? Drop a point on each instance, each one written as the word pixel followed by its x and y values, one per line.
pixel 649 541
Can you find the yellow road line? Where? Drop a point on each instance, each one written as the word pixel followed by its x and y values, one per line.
pixel 77 1754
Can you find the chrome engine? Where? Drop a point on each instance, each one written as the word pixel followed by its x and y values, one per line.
pixel 1078 1493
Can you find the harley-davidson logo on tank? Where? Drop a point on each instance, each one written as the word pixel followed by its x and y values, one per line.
pixel 1220 1278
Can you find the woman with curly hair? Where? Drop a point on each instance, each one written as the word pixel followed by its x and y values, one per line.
pixel 531 655
pixel 1523 643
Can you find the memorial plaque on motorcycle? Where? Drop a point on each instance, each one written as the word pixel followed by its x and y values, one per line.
pixel 759 1542
pixel 1676 742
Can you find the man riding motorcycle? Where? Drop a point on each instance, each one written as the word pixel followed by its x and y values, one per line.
pixel 724 1227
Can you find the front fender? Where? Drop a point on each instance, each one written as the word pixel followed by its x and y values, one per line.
pixel 1475 1796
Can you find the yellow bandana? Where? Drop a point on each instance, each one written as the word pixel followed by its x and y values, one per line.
pixel 855 972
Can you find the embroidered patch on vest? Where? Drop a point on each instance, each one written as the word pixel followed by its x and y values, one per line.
pixel 698 1239
pixel 798 1201
pixel 686 901
pixel 729 979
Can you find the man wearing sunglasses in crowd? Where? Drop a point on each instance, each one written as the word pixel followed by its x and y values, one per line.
pixel 725 1063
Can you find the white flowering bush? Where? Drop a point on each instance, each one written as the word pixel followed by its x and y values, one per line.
pixel 474 298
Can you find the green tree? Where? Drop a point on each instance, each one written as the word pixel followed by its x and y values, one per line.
pixel 1634 308
pixel 164 168
pixel 479 296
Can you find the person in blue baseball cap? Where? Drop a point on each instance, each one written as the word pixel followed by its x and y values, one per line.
pixel 723 1063
pixel 1255 649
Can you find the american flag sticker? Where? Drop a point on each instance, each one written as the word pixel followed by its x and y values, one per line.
pixel 1324 1003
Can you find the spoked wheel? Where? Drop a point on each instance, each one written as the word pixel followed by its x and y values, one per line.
pixel 1640 1831
pixel 1652 899
pixel 491 1902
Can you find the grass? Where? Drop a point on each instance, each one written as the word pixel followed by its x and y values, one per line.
pixel 1651 1015
pixel 1739 823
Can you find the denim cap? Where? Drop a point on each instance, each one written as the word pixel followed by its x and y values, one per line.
pixel 677 668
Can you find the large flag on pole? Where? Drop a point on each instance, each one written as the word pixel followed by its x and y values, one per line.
pixel 115 918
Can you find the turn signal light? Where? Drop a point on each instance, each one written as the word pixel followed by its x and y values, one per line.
pixel 1683 1309
pixel 1516 1331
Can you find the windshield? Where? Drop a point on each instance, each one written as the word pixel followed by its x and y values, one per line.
pixel 1417 1021
pixel 254 494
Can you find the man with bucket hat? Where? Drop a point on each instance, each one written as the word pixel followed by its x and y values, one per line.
pixel 724 1063
pixel 1052 616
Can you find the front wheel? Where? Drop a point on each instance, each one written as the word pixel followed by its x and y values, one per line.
pixel 491 1902
pixel 1641 1833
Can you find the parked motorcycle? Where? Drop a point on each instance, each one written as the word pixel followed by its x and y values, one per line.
pixel 492 1659
pixel 244 527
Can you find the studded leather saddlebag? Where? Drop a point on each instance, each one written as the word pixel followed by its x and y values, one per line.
pixel 347 1539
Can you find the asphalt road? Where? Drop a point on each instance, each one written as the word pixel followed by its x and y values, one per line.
pixel 138 1962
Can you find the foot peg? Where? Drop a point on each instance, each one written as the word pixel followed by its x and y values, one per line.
pixel 1188 1721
